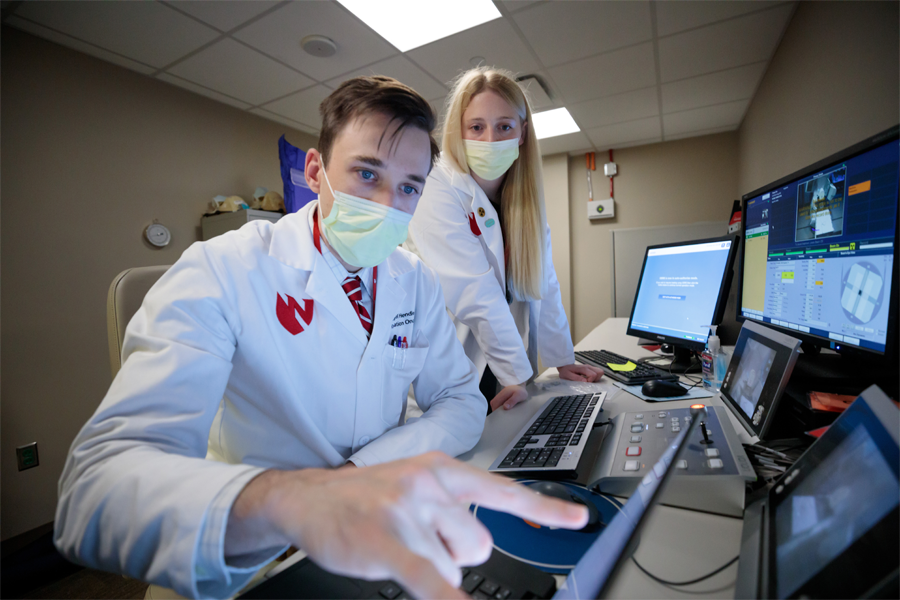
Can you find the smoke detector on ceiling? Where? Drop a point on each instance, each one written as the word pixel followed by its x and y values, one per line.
pixel 319 46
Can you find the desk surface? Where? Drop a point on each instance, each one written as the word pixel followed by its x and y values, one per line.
pixel 677 544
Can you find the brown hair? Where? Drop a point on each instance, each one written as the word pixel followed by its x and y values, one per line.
pixel 377 94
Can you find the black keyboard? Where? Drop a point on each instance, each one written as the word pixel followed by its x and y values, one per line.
pixel 500 578
pixel 641 373
pixel 554 438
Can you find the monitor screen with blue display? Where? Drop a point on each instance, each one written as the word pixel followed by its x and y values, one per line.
pixel 682 291
pixel 819 249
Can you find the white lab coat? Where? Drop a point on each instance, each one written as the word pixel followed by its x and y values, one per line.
pixel 456 231
pixel 208 349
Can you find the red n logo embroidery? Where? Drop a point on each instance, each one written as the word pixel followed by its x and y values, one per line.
pixel 287 313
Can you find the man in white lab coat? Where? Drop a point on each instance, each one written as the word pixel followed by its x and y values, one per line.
pixel 268 357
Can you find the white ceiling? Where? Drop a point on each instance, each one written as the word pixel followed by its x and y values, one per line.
pixel 630 72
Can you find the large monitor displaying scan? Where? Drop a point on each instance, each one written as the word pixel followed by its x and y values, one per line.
pixel 819 249
pixel 682 291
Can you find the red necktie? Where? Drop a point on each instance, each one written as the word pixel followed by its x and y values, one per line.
pixel 353 288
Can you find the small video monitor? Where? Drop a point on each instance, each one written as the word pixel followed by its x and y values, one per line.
pixel 759 370
pixel 682 290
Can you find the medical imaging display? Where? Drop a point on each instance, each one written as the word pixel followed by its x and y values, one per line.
pixel 750 378
pixel 820 205
pixel 848 493
pixel 819 251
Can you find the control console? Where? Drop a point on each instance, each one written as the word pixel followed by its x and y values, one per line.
pixel 710 475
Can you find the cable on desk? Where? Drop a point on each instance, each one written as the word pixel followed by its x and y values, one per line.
pixel 682 583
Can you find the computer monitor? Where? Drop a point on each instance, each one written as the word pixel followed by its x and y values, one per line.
pixel 682 290
pixel 820 251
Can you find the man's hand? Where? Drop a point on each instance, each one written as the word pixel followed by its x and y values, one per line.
pixel 587 373
pixel 509 397
pixel 407 520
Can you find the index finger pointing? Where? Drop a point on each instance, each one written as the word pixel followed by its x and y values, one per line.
pixel 497 493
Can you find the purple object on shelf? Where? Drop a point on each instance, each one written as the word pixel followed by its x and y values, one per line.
pixel 296 193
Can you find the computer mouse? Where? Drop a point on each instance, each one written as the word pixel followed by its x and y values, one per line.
pixel 660 388
pixel 558 490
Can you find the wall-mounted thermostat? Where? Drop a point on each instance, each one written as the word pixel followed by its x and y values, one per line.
pixel 158 235
pixel 601 209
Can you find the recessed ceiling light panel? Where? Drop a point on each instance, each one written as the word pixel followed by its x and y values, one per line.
pixel 554 122
pixel 408 24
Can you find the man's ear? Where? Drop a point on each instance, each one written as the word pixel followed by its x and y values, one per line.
pixel 312 170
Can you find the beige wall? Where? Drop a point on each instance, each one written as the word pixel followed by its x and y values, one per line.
pixel 834 80
pixel 556 201
pixel 92 154
pixel 678 182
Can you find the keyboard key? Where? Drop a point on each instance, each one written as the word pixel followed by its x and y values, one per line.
pixel 511 456
pixel 635 439
pixel 390 591
pixel 471 581
pixel 711 452
pixel 631 465
pixel 715 463
pixel 502 594
pixel 681 464
pixel 660 425
pixel 633 451
pixel 637 427
pixel 489 587
pixel 479 595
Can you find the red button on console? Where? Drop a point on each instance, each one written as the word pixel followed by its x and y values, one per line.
pixel 633 451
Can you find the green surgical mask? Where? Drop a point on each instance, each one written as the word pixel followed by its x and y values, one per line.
pixel 491 160
pixel 362 232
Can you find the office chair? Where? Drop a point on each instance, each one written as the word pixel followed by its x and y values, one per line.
pixel 126 293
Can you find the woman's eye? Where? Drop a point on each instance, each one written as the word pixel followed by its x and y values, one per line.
pixel 476 127
pixel 506 127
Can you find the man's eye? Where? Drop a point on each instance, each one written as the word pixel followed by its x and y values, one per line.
pixel 367 175
pixel 408 189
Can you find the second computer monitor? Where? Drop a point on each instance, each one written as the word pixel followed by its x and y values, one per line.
pixel 681 292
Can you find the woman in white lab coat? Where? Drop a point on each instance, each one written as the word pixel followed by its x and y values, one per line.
pixel 481 226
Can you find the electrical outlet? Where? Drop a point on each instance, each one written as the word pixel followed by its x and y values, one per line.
pixel 27 456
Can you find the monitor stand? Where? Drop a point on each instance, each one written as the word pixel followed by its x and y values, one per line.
pixel 684 361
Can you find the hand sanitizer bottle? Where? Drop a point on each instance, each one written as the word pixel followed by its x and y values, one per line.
pixel 709 361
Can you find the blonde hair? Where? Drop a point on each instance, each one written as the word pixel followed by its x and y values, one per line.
pixel 522 192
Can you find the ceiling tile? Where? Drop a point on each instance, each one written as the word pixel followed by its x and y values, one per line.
pixel 148 32
pixel 611 136
pixel 565 143
pixel 699 119
pixel 616 109
pixel 653 140
pixel 706 90
pixel 495 41
pixel 514 5
pixel 197 89
pixel 279 33
pixel 564 31
pixel 681 136
pixel 284 121
pixel 672 17
pixel 730 44
pixel 225 15
pixel 302 106
pixel 401 69
pixel 75 44
pixel 607 74
pixel 231 68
